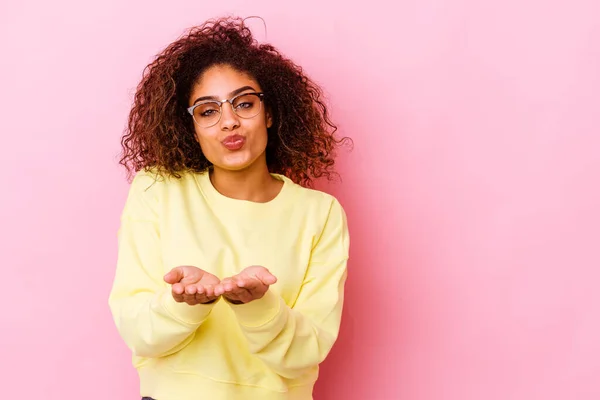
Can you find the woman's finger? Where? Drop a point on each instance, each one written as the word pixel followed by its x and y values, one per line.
pixel 178 288
pixel 191 289
pixel 174 276
pixel 202 299
pixel 247 282
pixel 189 299
pixel 267 278
pixel 209 291
pixel 177 297
pixel 222 287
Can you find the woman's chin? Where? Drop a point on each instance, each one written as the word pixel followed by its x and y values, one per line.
pixel 238 165
pixel 236 162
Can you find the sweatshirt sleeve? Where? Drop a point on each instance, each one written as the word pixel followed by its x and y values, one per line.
pixel 149 320
pixel 291 340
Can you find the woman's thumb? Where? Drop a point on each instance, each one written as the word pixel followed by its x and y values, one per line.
pixel 266 277
pixel 174 275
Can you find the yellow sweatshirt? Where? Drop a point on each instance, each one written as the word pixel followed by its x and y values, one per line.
pixel 268 349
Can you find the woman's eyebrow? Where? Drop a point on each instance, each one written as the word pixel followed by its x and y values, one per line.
pixel 235 92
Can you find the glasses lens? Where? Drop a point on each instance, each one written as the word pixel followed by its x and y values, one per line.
pixel 247 105
pixel 207 114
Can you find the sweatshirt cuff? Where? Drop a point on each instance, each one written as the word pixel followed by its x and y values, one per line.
pixel 183 312
pixel 258 312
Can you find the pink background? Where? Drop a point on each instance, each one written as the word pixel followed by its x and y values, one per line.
pixel 473 190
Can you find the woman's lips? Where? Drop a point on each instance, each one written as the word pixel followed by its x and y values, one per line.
pixel 234 142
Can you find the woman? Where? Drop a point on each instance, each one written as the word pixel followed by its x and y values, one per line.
pixel 230 274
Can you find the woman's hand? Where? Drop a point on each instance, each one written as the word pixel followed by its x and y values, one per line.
pixel 250 284
pixel 192 285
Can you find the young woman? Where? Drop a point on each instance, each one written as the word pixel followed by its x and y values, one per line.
pixel 231 270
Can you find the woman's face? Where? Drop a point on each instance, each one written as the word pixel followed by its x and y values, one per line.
pixel 230 140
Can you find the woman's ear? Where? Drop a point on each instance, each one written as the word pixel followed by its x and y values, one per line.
pixel 269 119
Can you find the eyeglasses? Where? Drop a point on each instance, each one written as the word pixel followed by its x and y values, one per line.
pixel 208 113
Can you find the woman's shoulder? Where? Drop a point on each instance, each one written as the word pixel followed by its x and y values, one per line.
pixel 322 210
pixel 151 184
pixel 149 187
pixel 312 197
pixel 153 179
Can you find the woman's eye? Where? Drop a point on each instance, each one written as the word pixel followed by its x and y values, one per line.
pixel 244 105
pixel 207 113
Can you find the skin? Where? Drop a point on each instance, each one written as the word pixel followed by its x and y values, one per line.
pixel 241 174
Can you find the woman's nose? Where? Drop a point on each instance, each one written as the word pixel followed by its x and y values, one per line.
pixel 229 119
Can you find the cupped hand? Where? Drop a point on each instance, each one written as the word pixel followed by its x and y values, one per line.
pixel 192 285
pixel 250 284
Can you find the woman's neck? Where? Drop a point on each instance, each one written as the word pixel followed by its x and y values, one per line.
pixel 254 183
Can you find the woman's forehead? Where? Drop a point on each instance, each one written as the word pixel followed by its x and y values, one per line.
pixel 222 80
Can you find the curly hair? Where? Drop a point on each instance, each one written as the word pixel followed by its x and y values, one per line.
pixel 160 133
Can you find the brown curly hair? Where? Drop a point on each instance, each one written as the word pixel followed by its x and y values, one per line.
pixel 160 133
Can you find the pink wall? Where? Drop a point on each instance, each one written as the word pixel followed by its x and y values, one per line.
pixel 472 192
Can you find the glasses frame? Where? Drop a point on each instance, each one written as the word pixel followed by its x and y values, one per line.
pixel 191 109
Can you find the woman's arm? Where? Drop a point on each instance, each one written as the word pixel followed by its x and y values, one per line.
pixel 291 340
pixel 147 316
